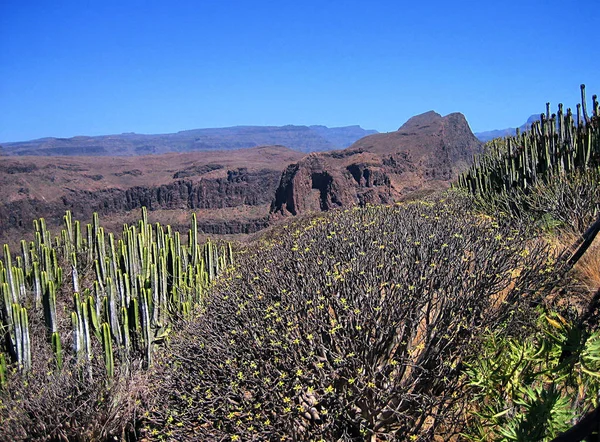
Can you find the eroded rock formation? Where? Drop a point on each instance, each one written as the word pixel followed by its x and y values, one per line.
pixel 424 154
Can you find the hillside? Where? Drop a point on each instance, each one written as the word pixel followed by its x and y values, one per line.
pixel 300 138
pixel 424 154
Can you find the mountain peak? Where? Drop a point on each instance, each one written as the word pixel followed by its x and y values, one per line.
pixel 423 119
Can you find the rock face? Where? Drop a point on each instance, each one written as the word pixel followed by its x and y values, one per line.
pixel 424 154
pixel 230 191
pixel 311 185
pixel 240 188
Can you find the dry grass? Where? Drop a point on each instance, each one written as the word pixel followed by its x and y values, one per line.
pixel 587 270
pixel 588 267
pixel 584 278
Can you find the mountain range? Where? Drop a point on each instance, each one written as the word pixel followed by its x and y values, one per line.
pixel 300 138
pixel 497 133
pixel 315 138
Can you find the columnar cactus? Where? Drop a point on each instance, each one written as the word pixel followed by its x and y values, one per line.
pixel 57 348
pixel 49 302
pixel 557 144
pixel 108 350
pixel 139 284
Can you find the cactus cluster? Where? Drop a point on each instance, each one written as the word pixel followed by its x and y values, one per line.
pixel 558 144
pixel 120 296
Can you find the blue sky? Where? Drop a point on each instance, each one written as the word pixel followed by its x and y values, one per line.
pixel 90 67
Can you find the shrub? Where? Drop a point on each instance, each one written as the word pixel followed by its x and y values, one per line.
pixel 76 403
pixel 353 325
pixel 532 387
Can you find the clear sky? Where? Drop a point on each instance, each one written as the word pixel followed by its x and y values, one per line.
pixel 91 67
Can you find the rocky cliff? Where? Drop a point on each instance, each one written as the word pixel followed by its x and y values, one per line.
pixel 424 154
pixel 231 190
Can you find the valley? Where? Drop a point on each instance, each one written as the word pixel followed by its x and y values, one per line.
pixel 235 192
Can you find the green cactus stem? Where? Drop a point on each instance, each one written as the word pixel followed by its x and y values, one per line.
pixel 3 370
pixel 57 349
pixel 108 350
pixel 49 302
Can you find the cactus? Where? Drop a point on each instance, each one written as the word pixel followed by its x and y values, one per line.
pixel 112 311
pixel 22 344
pixel 141 283
pixel 134 317
pixel 49 302
pixel 3 371
pixel 74 273
pixel 57 349
pixel 37 285
pixel 126 342
pixel 93 316
pixel 145 325
pixel 229 254
pixel 555 145
pixel 10 278
pixel 25 256
pixel 108 350
pixel 77 335
pixel 193 241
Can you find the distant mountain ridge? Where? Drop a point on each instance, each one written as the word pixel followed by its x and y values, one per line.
pixel 301 138
pixel 498 133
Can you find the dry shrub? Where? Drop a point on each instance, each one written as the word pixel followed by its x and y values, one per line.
pixel 350 326
pixel 75 403
pixel 587 270
pixel 68 405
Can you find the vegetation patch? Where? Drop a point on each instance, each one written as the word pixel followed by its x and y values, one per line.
pixel 347 326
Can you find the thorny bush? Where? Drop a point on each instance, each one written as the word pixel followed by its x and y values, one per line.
pixel 77 402
pixel 350 326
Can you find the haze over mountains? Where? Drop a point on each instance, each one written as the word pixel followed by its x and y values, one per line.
pixel 300 138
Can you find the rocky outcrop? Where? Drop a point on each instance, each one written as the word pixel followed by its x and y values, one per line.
pixel 319 183
pixel 311 185
pixel 425 153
